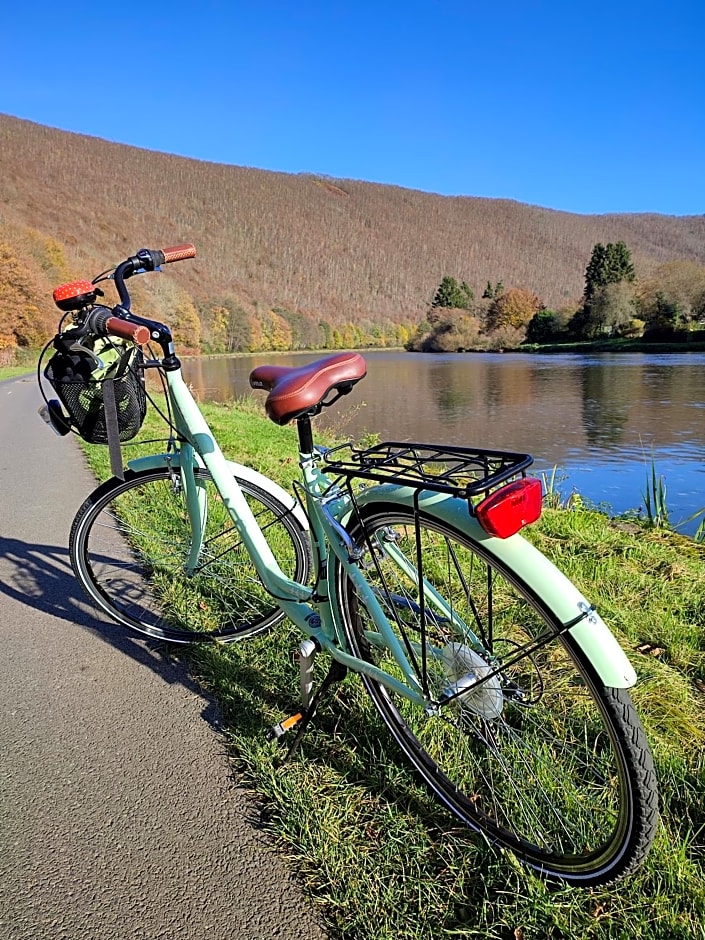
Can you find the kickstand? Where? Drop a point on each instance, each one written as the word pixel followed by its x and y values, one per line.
pixel 336 672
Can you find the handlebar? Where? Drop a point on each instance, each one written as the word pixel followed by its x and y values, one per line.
pixel 136 332
pixel 80 296
pixel 136 327
pixel 147 259
pixel 178 253
pixel 101 322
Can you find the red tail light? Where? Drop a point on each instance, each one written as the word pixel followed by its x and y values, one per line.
pixel 510 508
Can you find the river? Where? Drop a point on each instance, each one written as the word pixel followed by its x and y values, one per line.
pixel 600 419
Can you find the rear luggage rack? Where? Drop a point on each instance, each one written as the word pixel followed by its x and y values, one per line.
pixel 460 471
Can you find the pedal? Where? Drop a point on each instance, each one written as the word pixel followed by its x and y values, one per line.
pixel 287 724
pixel 303 719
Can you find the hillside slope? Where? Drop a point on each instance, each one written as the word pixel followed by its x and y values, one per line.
pixel 336 249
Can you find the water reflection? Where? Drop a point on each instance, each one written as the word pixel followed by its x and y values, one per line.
pixel 598 418
pixel 607 395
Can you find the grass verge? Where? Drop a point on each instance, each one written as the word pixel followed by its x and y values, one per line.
pixel 375 853
pixel 24 362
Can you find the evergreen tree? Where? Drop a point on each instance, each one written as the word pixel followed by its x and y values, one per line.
pixel 619 264
pixel 491 293
pixel 603 310
pixel 452 294
pixel 609 264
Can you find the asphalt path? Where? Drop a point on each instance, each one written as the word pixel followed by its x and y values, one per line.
pixel 120 816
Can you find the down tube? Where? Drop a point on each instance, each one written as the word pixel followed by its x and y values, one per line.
pixel 541 576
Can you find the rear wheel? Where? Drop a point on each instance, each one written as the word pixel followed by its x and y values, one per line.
pixel 520 739
pixel 129 547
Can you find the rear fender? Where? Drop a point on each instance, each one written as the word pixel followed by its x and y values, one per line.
pixel 566 602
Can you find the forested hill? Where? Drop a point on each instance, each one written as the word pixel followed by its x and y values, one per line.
pixel 284 260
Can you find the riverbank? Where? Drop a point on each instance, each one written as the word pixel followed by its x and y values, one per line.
pixel 614 346
pixel 29 358
pixel 381 862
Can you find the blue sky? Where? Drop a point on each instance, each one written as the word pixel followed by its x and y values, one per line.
pixel 589 107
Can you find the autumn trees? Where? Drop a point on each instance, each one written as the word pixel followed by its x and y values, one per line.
pixel 666 304
pixel 456 320
pixel 515 308
pixel 616 303
pixel 672 298
pixel 24 304
pixel 32 264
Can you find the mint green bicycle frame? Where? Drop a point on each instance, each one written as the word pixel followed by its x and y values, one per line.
pixel 328 509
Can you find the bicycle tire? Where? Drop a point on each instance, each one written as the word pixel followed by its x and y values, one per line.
pixel 542 758
pixel 130 539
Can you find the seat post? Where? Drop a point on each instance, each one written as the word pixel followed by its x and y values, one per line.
pixel 303 424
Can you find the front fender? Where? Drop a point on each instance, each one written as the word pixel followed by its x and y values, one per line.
pixel 154 461
pixel 566 602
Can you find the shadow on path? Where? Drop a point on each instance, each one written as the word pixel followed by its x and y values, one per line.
pixel 41 577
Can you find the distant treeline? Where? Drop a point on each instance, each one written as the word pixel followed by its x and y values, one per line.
pixel 31 265
pixel 666 306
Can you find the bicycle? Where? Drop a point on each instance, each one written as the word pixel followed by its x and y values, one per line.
pixel 402 562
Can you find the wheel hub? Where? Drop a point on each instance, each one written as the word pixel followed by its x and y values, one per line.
pixel 464 667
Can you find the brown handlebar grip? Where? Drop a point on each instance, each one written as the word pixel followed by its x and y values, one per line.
pixel 178 253
pixel 137 332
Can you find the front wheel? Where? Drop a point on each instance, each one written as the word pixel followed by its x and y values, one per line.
pixel 130 544
pixel 519 738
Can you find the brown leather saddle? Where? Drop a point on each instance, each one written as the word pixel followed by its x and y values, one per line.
pixel 296 392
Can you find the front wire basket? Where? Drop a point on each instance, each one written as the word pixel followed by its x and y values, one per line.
pixel 70 375
pixel 459 471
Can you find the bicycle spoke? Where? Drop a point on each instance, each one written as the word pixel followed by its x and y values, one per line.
pixel 514 739
pixel 134 557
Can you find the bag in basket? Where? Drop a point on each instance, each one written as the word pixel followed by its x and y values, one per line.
pixel 79 376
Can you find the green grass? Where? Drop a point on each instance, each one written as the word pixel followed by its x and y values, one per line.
pixel 376 855
pixel 374 852
pixel 656 511
pixel 25 361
